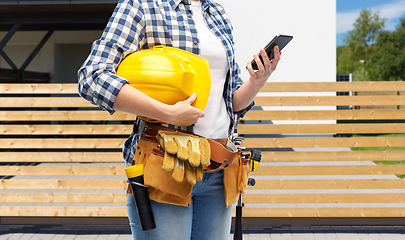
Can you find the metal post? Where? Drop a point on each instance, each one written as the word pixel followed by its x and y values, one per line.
pixel 8 60
pixel 33 54
pixel 5 40
pixel 9 35
pixel 238 220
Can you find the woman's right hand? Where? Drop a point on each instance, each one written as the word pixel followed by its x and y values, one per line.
pixel 183 114
pixel 133 101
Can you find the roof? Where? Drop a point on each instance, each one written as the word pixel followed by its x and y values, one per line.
pixel 53 2
pixel 45 15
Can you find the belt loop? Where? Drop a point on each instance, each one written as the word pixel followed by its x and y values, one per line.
pixel 139 125
pixel 136 125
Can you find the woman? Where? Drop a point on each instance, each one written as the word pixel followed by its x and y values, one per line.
pixel 203 28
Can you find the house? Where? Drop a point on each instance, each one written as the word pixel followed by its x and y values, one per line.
pixel 55 36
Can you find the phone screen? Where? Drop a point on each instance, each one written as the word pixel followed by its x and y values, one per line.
pixel 280 40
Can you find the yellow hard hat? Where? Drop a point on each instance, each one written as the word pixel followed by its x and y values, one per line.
pixel 168 74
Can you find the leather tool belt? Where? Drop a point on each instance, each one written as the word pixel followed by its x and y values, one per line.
pixel 221 155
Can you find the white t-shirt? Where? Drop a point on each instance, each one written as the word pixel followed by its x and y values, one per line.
pixel 216 122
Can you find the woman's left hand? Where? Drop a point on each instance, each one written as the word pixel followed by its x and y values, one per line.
pixel 266 68
pixel 248 91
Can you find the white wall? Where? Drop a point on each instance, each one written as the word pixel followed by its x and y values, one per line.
pixel 310 56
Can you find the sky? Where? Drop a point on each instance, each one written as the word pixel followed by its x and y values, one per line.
pixel 347 11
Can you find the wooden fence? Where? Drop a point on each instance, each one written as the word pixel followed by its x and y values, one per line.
pixel 312 172
pixel 61 156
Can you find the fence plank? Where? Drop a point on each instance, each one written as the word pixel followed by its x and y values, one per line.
pixel 63 211
pixel 330 101
pixel 44 102
pixel 113 170
pixel 12 102
pixel 330 184
pixel 333 86
pixel 266 156
pixel 64 116
pixel 74 197
pixel 269 87
pixel 325 115
pixel 325 212
pixel 324 198
pixel 89 170
pixel 15 143
pixel 324 142
pixel 55 197
pixel 90 129
pixel 331 170
pixel 333 156
pixel 320 128
pixel 248 212
pixel 67 184
pixel 38 88
pixel 61 157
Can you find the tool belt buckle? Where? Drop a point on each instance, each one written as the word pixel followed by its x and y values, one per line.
pixel 222 155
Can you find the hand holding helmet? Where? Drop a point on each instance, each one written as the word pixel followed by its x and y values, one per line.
pixel 184 114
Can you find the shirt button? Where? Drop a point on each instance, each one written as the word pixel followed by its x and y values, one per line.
pixel 195 42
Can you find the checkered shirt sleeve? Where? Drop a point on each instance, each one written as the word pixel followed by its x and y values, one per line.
pixel 98 82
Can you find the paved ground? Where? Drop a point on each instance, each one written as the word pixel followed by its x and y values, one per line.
pixel 67 232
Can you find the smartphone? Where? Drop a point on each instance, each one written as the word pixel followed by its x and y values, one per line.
pixel 280 40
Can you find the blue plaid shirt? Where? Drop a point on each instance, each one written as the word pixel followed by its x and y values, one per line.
pixel 141 24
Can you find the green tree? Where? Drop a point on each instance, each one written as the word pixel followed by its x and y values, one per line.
pixel 356 56
pixel 361 74
pixel 366 29
pixel 390 53
pixel 344 60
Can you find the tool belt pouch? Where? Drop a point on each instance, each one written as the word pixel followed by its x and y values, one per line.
pixel 235 181
pixel 161 188
pixel 243 177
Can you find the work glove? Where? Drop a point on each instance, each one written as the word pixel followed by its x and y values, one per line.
pixel 185 154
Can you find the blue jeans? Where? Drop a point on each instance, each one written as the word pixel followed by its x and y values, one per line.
pixel 206 218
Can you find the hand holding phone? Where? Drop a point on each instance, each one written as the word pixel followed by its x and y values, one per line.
pixel 280 40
